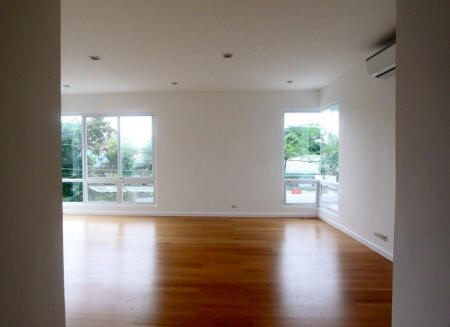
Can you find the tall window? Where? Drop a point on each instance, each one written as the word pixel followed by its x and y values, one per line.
pixel 311 153
pixel 72 158
pixel 107 159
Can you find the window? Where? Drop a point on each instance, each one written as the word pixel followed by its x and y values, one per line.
pixel 311 154
pixel 107 159
pixel 72 158
pixel 329 195
pixel 72 191
pixel 71 147
pixel 102 146
pixel 135 146
pixel 102 192
pixel 137 192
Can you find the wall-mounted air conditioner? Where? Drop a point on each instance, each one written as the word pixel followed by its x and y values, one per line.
pixel 382 62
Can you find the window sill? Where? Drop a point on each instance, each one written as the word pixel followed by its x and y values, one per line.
pixel 107 204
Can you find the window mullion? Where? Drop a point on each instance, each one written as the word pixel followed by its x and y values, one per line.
pixel 70 180
pixel 137 180
pixel 119 177
pixel 84 161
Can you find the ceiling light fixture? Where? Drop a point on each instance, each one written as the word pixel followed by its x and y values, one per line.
pixel 227 55
pixel 95 58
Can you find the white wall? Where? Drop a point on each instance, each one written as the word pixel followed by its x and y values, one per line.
pixel 213 149
pixel 422 222
pixel 366 154
pixel 31 248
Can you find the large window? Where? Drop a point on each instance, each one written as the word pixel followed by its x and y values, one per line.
pixel 102 146
pixel 311 155
pixel 107 159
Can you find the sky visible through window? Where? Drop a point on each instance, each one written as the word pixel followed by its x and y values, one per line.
pixel 136 129
pixel 327 119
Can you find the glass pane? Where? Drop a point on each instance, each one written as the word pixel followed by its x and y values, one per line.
pixel 72 191
pixel 302 140
pixel 71 147
pixel 300 192
pixel 311 145
pixel 329 197
pixel 138 192
pixel 136 146
pixel 329 149
pixel 102 146
pixel 102 192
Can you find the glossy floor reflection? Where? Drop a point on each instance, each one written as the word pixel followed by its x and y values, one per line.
pixel 180 271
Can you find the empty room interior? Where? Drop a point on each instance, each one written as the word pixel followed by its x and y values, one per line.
pixel 225 163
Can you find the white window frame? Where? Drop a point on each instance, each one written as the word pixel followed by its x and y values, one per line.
pixel 119 180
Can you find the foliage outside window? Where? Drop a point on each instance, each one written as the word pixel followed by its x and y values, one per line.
pixel 71 147
pixel 311 145
pixel 102 146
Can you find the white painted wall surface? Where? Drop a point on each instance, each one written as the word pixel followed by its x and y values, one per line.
pixel 31 238
pixel 213 149
pixel 367 155
pixel 422 222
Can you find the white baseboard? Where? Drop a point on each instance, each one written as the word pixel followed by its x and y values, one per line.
pixel 303 212
pixel 330 218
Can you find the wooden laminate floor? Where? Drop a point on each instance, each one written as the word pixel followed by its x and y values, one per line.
pixel 198 272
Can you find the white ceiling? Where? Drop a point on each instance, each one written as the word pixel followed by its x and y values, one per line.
pixel 147 44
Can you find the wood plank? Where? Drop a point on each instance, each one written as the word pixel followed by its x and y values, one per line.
pixel 200 271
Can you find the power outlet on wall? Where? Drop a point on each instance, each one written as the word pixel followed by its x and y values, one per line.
pixel 381 236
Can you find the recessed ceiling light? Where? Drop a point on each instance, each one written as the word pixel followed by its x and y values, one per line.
pixel 95 58
pixel 227 55
pixel 174 83
pixel 289 82
pixel 66 85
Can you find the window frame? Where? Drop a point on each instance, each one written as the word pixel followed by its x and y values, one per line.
pixel 119 180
